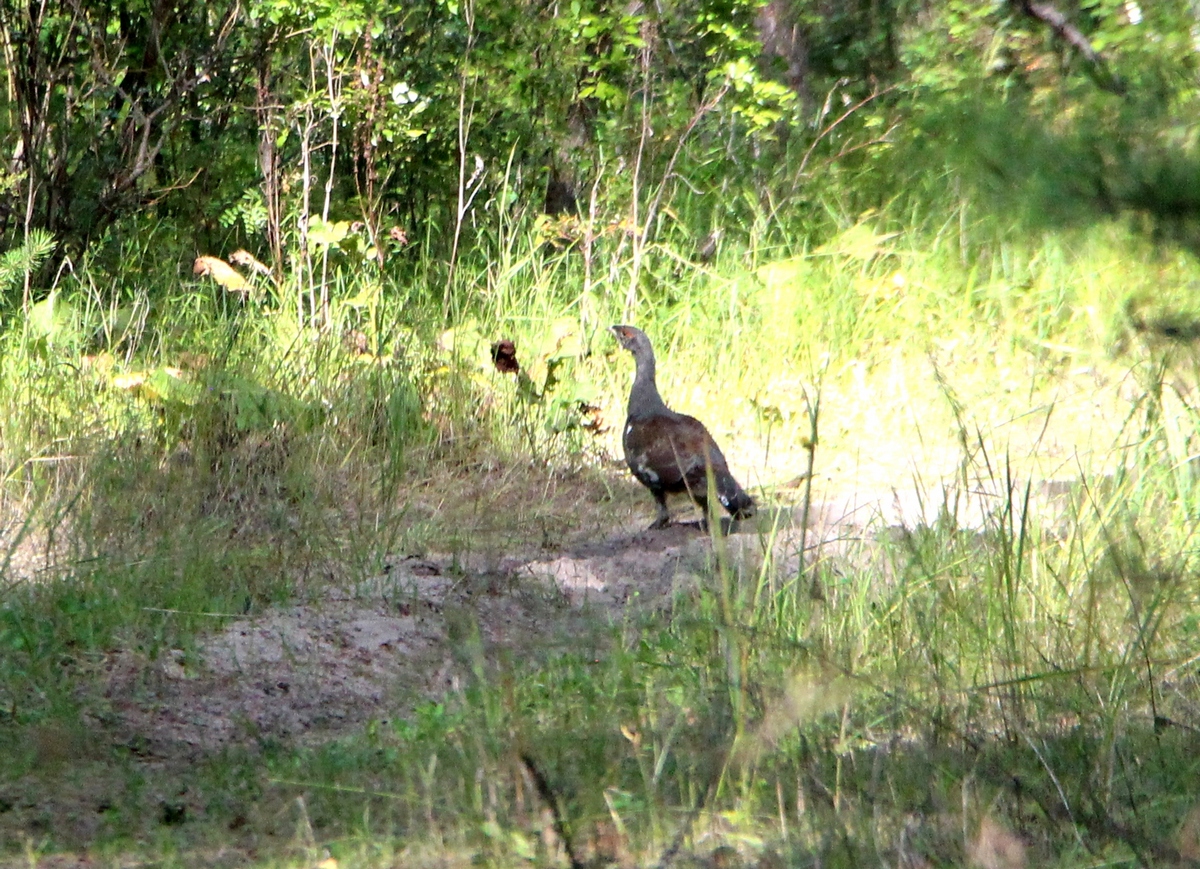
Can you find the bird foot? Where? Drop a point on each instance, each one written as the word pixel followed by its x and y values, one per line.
pixel 659 523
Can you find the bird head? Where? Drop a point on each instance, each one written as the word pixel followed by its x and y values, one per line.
pixel 632 339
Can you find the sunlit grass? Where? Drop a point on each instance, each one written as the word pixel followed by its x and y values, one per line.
pixel 865 700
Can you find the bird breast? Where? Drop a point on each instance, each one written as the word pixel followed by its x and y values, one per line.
pixel 638 459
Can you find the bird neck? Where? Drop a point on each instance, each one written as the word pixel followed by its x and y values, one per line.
pixel 644 399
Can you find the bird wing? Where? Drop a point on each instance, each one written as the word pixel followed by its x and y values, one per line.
pixel 670 452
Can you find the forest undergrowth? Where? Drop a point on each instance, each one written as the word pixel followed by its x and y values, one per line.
pixel 1010 689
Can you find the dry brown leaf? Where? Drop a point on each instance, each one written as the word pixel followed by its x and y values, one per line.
pixel 246 260
pixel 221 272
pixel 504 356
pixel 129 381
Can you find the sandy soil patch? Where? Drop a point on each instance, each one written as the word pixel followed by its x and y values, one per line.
pixel 312 670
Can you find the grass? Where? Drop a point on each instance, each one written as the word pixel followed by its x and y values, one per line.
pixel 1007 676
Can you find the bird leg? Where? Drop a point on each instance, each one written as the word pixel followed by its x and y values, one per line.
pixel 664 515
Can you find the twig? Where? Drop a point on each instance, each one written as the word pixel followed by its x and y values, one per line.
pixel 163 191
pixel 1062 795
pixel 843 116
pixel 703 110
pixel 547 794
pixel 1070 34
pixel 631 295
pixel 174 612
pixel 465 117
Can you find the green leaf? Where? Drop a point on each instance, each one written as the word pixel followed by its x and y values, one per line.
pixel 53 320
pixel 323 233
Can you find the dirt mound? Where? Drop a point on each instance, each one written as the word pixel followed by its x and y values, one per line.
pixel 307 672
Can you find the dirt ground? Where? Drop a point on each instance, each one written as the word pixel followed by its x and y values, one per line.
pixel 311 671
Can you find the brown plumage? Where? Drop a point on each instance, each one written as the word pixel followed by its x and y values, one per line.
pixel 671 452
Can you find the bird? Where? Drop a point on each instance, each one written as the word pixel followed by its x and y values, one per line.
pixel 671 452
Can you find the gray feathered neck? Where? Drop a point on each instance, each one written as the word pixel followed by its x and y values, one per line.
pixel 644 399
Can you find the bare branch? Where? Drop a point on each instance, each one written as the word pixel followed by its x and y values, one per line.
pixel 1070 34
pixel 843 116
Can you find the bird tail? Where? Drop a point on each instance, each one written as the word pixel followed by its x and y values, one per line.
pixel 733 497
